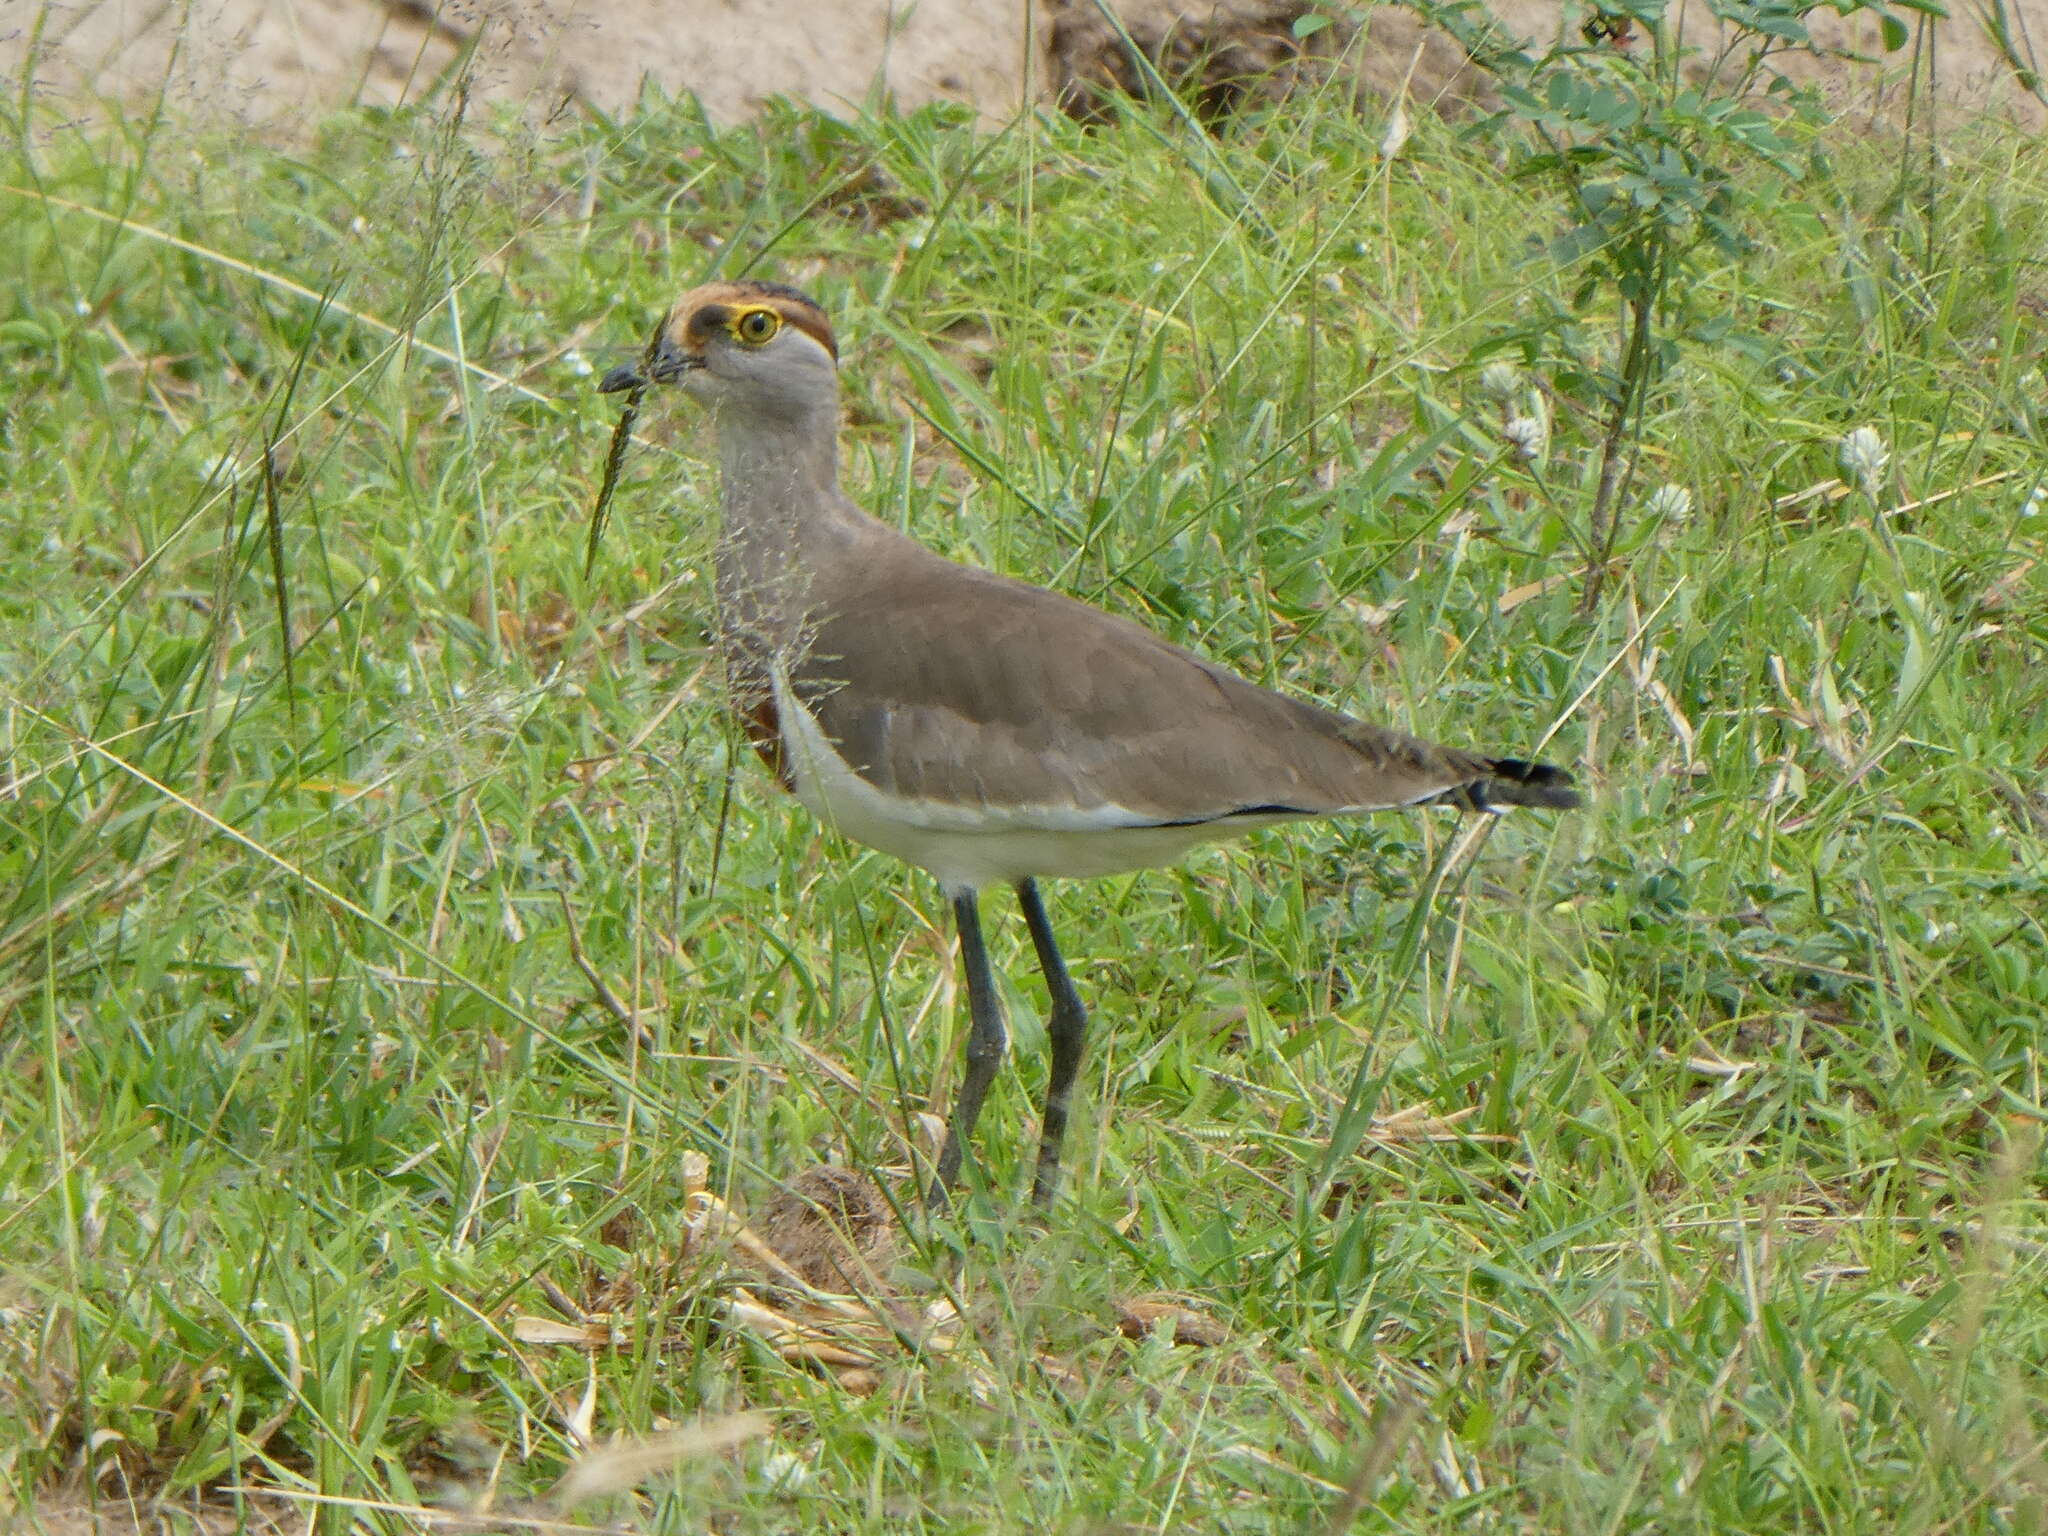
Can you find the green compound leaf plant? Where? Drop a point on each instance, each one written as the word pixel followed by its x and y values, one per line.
pixel 1656 149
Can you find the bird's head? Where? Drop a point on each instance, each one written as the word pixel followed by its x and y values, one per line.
pixel 756 347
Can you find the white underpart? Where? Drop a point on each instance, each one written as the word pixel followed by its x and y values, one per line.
pixel 968 847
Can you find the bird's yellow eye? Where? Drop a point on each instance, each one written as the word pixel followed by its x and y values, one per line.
pixel 754 326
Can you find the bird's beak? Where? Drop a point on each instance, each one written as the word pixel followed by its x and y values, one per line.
pixel 664 364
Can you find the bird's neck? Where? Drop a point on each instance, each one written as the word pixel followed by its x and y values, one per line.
pixel 773 465
pixel 783 514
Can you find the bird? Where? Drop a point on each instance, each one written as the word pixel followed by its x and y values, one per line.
pixel 987 730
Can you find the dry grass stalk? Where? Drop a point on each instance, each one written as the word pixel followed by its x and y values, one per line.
pixel 629 1463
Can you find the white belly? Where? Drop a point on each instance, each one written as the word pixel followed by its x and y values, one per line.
pixel 968 847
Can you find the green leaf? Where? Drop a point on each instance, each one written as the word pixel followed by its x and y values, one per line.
pixel 1917 660
pixel 1895 34
pixel 1309 25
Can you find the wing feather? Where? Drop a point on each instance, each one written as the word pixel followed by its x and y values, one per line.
pixel 965 690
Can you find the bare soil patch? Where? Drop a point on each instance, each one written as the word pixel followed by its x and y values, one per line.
pixel 277 61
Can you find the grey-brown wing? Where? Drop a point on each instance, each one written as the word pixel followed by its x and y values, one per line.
pixel 950 685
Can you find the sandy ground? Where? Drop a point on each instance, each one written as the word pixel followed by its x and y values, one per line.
pixel 273 62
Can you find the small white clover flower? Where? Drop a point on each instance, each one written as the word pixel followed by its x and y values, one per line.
pixel 786 1472
pixel 1863 457
pixel 1501 380
pixel 1670 503
pixel 579 365
pixel 1529 435
pixel 2037 503
pixel 1526 436
pixel 1395 139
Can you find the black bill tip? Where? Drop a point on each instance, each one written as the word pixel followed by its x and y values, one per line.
pixel 625 376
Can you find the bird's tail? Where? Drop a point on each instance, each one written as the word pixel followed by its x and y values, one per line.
pixel 1510 781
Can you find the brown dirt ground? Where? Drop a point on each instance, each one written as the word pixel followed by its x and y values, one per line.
pixel 113 1516
pixel 275 62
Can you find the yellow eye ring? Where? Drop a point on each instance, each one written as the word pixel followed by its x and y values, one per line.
pixel 755 326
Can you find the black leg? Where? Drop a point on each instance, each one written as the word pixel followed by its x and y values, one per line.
pixel 986 1042
pixel 1067 1029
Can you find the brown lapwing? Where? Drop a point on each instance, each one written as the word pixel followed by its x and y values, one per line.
pixel 985 729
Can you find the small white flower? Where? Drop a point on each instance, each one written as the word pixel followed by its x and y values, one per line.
pixel 1863 457
pixel 1501 380
pixel 1670 503
pixel 1526 435
pixel 1395 139
pixel 786 1472
pixel 578 364
pixel 2037 503
pixel 1529 435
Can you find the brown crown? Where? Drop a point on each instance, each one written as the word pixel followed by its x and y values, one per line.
pixel 703 312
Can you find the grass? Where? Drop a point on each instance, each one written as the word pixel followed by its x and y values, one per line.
pixel 304 1097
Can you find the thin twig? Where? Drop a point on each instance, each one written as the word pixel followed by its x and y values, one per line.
pixel 598 984
pixel 1390 1428
pixel 273 516
pixel 614 460
pixel 622 437
pixel 1617 469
